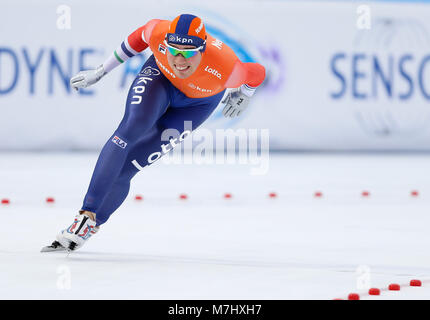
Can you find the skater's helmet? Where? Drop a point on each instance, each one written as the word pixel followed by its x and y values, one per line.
pixel 187 29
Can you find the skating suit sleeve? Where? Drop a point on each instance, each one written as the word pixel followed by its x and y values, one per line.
pixel 135 43
pixel 248 75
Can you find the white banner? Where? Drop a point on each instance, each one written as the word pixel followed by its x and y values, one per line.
pixel 340 75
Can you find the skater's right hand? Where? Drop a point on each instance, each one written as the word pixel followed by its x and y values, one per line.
pixel 87 78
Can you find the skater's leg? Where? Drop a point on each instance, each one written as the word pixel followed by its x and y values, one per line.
pixel 138 157
pixel 147 100
pixel 113 200
pixel 121 187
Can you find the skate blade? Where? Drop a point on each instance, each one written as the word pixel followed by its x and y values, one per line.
pixel 52 249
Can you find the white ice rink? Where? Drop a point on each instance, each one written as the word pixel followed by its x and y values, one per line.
pixel 296 246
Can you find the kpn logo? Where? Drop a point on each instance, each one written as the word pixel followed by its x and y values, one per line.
pixel 177 39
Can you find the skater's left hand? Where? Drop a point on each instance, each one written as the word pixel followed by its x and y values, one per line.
pixel 236 101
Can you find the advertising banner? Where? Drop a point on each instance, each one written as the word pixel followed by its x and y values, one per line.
pixel 339 75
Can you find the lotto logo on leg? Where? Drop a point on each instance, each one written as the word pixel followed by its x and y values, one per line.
pixel 120 143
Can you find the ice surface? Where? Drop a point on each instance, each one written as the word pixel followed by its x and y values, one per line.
pixel 207 247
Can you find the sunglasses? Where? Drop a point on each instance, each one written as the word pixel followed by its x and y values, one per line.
pixel 186 53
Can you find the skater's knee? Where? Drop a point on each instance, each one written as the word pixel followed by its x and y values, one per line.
pixel 127 173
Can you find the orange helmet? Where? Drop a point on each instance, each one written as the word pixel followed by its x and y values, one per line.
pixel 187 29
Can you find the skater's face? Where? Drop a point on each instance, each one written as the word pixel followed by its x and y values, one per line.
pixel 182 67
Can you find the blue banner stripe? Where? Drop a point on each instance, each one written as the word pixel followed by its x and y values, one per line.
pixel 124 48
